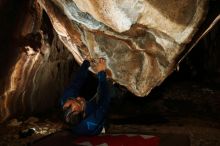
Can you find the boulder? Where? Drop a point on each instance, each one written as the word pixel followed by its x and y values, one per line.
pixel 141 40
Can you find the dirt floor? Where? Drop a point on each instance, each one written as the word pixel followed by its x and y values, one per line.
pixel 182 108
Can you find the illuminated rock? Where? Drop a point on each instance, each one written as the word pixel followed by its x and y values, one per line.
pixel 40 68
pixel 140 39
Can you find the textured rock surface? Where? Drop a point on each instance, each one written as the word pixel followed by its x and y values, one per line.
pixel 140 39
pixel 42 66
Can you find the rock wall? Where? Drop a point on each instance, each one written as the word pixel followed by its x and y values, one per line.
pixel 42 66
pixel 140 39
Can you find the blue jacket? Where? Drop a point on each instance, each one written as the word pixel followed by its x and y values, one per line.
pixel 93 123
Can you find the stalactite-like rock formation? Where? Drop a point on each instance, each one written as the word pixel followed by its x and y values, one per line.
pixel 140 39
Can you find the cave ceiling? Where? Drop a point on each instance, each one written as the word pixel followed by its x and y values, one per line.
pixel 141 40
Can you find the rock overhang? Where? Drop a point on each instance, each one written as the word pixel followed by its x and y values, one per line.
pixel 140 39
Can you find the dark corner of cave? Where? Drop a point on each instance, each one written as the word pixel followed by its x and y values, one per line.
pixel 110 73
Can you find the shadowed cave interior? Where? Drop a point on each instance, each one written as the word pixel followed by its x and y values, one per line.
pixel 187 102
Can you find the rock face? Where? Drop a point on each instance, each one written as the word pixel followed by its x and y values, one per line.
pixel 140 39
pixel 40 69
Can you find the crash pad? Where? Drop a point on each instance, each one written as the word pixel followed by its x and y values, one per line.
pixel 119 140
pixel 66 138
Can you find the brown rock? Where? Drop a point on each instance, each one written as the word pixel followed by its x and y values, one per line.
pixel 140 39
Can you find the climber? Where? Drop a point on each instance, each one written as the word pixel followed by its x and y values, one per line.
pixel 87 117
